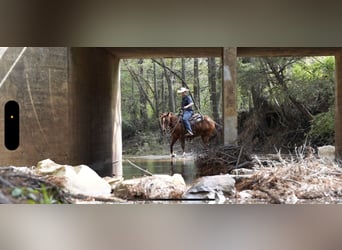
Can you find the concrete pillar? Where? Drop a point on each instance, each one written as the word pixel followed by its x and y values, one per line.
pixel 116 114
pixel 91 108
pixel 229 65
pixel 338 107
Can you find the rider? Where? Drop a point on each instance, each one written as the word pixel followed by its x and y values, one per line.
pixel 186 106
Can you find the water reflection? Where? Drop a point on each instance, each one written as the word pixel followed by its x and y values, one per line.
pixel 160 165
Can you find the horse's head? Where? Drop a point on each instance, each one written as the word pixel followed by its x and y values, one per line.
pixel 165 121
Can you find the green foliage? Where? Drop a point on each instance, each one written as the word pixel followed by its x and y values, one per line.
pixel 144 78
pixel 323 129
pixel 34 196
pixel 312 82
pixel 296 89
pixel 293 88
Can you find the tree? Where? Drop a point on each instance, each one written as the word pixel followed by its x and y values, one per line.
pixel 281 97
pixel 212 87
pixel 197 84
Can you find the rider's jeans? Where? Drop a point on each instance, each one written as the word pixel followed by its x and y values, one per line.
pixel 186 116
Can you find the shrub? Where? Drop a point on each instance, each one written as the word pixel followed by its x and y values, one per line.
pixel 322 130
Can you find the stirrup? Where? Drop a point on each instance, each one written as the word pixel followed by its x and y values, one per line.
pixel 189 133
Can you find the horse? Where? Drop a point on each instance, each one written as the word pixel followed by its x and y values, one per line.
pixel 205 128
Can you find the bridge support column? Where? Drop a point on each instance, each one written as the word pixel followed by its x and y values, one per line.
pixel 116 114
pixel 338 107
pixel 229 64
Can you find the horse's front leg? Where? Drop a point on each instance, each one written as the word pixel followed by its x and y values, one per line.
pixel 182 141
pixel 174 139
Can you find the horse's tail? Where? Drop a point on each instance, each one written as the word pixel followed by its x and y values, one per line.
pixel 219 128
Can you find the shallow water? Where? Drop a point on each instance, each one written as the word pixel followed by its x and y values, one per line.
pixel 162 164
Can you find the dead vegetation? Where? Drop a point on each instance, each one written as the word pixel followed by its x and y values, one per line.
pixel 18 185
pixel 289 181
pixel 278 179
pixel 223 160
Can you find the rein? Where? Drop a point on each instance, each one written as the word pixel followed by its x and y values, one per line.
pixel 174 128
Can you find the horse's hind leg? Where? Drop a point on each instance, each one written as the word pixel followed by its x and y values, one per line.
pixel 205 140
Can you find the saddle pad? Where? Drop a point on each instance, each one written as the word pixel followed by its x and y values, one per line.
pixel 196 118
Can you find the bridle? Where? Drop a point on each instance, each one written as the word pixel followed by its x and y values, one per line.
pixel 166 124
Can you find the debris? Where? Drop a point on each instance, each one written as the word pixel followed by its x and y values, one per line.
pixel 20 185
pixel 223 160
pixel 151 187
pixel 307 179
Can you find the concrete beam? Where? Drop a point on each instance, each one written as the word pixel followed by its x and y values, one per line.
pixel 287 51
pixel 338 107
pixel 229 64
pixel 158 52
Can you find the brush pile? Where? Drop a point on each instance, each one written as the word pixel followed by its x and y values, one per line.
pixel 303 180
pixel 223 160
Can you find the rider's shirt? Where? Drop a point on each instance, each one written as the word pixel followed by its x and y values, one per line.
pixel 185 101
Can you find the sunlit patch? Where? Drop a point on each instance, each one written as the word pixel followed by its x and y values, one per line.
pixel 2 51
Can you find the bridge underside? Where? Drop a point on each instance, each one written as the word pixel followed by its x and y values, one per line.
pixel 71 107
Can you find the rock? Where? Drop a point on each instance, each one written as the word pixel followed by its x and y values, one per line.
pixel 151 187
pixel 75 179
pixel 242 171
pixel 327 152
pixel 47 167
pixel 212 187
pixel 245 194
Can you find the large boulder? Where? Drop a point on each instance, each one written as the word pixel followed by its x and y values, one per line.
pixel 151 187
pixel 75 179
pixel 212 187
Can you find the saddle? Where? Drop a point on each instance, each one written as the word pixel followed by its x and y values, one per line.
pixel 197 117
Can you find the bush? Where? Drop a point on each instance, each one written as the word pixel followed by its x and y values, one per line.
pixel 322 130
pixel 128 130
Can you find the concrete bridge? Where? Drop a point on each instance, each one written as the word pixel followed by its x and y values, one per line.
pixel 70 106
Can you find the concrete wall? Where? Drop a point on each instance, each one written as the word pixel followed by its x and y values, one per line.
pixel 66 105
pixel 37 79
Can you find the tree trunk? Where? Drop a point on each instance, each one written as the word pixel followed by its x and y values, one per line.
pixel 196 83
pixel 143 102
pixel 183 70
pixel 156 97
pixel 172 106
pixel 133 107
pixel 212 87
pixel 278 72
pixel 163 96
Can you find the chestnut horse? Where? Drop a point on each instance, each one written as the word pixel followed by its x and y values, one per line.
pixel 173 124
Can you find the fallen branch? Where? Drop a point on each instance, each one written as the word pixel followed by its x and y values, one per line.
pixel 136 166
pixel 4 199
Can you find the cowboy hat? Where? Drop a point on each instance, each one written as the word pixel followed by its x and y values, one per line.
pixel 182 89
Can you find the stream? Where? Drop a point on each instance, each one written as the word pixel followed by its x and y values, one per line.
pixel 160 164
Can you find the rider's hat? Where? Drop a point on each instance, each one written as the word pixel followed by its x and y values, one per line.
pixel 182 89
